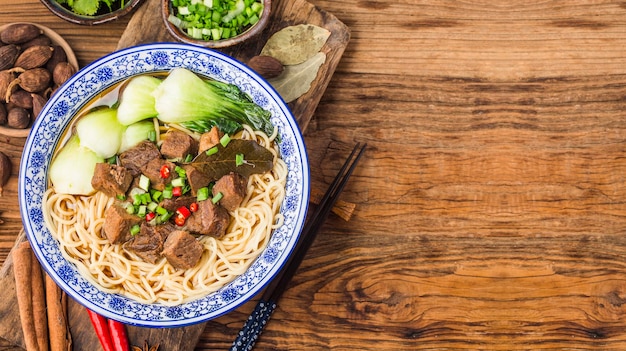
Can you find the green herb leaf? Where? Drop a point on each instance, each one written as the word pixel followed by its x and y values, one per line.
pixel 258 160
pixel 86 7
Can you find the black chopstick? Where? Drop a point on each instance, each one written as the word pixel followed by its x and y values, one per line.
pixel 252 329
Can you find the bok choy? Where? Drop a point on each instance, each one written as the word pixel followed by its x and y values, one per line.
pixel 197 104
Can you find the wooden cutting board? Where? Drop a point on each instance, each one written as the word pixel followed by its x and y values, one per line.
pixel 146 27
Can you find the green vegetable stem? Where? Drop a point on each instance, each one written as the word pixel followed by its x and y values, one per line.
pixel 215 19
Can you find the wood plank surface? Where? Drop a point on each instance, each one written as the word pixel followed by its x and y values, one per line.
pixel 490 205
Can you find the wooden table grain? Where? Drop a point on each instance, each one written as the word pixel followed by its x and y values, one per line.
pixel 491 204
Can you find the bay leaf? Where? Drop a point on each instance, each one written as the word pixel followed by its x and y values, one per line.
pixel 296 44
pixel 257 159
pixel 296 80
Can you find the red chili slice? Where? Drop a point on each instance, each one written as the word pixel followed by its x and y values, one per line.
pixel 165 172
pixel 182 213
pixel 150 216
pixel 177 191
pixel 193 207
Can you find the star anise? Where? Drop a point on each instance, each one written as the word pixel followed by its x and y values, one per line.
pixel 146 347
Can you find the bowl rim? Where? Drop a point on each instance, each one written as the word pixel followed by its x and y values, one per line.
pixel 253 31
pixel 46 135
pixel 75 18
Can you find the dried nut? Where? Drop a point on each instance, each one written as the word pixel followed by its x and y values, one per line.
pixel 58 55
pixel 38 104
pixel 34 56
pixel 8 55
pixel 6 77
pixel 21 98
pixel 5 170
pixel 18 118
pixel 62 72
pixel 19 33
pixel 266 66
pixel 40 40
pixel 3 114
pixel 34 80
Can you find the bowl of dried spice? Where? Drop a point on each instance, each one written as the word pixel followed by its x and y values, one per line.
pixel 91 12
pixel 215 23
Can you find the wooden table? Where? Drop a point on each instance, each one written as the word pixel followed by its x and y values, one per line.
pixel 491 209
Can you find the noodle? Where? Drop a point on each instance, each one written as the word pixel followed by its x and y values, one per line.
pixel 76 222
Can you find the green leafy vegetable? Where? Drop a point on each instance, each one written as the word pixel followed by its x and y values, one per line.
pixel 100 131
pixel 197 104
pixel 72 169
pixel 92 7
pixel 258 159
pixel 135 133
pixel 136 100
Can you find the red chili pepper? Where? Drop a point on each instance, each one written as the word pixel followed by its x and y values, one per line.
pixel 193 207
pixel 101 328
pixel 165 171
pixel 177 191
pixel 182 213
pixel 150 216
pixel 118 335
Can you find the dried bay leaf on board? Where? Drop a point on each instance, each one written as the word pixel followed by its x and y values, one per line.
pixel 296 44
pixel 296 79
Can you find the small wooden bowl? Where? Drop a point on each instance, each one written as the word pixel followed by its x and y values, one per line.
pixel 180 35
pixel 72 17
pixel 71 58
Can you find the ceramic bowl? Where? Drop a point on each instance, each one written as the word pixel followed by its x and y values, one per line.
pixel 71 58
pixel 101 75
pixel 181 35
pixel 72 17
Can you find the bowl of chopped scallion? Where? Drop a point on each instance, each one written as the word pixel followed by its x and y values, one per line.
pixel 91 12
pixel 215 23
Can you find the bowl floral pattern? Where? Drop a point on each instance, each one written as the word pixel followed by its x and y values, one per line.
pixel 75 94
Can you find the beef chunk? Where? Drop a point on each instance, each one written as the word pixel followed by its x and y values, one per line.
pixel 233 187
pixel 148 244
pixel 177 145
pixel 152 170
pixel 196 178
pixel 209 139
pixel 117 224
pixel 138 156
pixel 182 250
pixel 209 219
pixel 111 179
pixel 174 203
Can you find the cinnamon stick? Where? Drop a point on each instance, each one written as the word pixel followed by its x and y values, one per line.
pixel 22 269
pixel 39 303
pixel 58 327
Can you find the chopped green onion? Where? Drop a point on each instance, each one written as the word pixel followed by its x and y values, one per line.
pixel 178 182
pixel 152 206
pixel 188 158
pixel 141 211
pixel 224 140
pixel 202 194
pixel 120 197
pixel 212 151
pixel 239 159
pixel 167 194
pixel 160 210
pixel 217 198
pixel 144 182
pixel 180 171
pixel 156 195
pixel 134 230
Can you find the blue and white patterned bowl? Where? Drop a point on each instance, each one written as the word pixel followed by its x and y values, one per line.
pixel 97 77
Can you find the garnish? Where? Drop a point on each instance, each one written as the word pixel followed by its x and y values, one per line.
pixel 92 7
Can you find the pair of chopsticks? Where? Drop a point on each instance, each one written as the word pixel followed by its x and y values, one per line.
pixel 252 329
